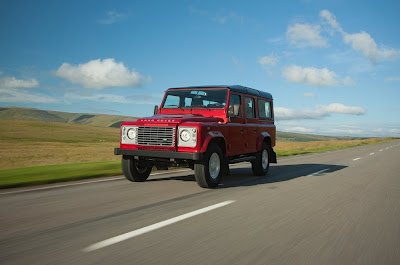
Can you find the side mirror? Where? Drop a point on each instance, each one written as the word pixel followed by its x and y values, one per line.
pixel 155 109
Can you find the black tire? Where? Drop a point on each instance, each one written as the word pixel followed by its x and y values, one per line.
pixel 135 170
pixel 260 165
pixel 208 172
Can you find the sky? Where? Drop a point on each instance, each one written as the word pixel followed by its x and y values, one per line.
pixel 333 67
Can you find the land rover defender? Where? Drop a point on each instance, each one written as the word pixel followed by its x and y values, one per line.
pixel 205 128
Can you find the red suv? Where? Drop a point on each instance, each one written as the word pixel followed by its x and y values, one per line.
pixel 205 128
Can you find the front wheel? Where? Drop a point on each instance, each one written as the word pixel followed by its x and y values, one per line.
pixel 135 170
pixel 260 165
pixel 208 172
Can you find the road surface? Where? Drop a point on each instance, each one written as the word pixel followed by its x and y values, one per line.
pixel 339 207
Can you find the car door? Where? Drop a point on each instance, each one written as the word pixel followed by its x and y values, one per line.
pixel 237 137
pixel 250 124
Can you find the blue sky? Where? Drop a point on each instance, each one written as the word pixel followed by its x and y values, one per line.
pixel 333 67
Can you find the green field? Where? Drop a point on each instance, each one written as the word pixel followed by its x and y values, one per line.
pixel 35 152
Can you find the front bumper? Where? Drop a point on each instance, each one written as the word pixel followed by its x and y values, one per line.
pixel 159 154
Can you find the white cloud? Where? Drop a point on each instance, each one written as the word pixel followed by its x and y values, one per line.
pixel 270 60
pixel 20 95
pixel 13 90
pixel 112 17
pixel 111 98
pixel 386 131
pixel 303 35
pixel 364 43
pixel 330 19
pixel 392 79
pixel 221 19
pixel 12 82
pixel 235 60
pixel 99 74
pixel 319 112
pixel 310 75
pixel 309 95
pixel 343 131
pixel 97 97
pixel 299 130
pixel 348 81
pixel 340 108
pixel 361 42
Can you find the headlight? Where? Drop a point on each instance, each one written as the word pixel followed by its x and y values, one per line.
pixel 129 134
pixel 185 135
pixel 132 133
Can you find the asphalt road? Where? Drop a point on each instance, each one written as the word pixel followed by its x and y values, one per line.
pixel 340 207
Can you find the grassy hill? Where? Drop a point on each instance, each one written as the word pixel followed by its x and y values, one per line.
pixel 298 137
pixel 27 114
pixel 114 121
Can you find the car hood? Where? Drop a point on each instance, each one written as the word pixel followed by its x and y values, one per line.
pixel 178 118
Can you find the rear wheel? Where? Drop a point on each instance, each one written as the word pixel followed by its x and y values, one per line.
pixel 260 165
pixel 135 170
pixel 208 172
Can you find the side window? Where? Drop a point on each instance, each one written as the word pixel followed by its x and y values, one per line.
pixel 188 102
pixel 249 105
pixel 264 109
pixel 234 106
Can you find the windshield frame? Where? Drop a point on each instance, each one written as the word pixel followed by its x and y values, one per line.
pixel 208 96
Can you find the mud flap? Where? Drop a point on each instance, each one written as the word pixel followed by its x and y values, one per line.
pixel 272 156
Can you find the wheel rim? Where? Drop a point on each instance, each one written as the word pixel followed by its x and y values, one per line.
pixel 140 167
pixel 214 165
pixel 264 159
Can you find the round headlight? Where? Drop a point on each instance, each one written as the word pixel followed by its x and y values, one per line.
pixel 131 134
pixel 185 135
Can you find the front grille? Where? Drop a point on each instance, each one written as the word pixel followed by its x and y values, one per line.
pixel 156 136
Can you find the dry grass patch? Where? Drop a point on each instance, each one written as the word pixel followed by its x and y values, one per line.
pixel 285 148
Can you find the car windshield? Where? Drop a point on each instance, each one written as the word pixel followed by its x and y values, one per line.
pixel 192 99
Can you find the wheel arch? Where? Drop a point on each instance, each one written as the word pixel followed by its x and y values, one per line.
pixel 266 137
pixel 214 137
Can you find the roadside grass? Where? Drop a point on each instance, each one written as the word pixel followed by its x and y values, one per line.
pixel 29 176
pixel 296 148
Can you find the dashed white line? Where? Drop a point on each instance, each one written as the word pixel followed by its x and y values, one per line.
pixel 371 154
pixel 381 150
pixel 318 172
pixel 123 237
pixel 358 158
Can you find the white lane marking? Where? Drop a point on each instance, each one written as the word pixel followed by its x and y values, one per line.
pixel 134 233
pixel 85 182
pixel 381 150
pixel 355 159
pixel 371 154
pixel 317 173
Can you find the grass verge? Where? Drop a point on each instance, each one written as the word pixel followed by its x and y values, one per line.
pixel 298 148
pixel 29 176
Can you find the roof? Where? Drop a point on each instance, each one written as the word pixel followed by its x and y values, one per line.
pixel 236 88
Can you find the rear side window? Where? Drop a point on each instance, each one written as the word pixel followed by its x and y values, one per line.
pixel 264 109
pixel 249 104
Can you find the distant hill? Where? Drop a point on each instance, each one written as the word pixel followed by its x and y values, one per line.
pixel 298 137
pixel 114 121
pixel 27 114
